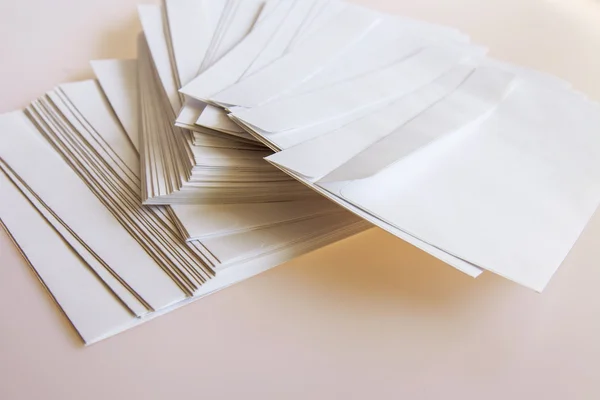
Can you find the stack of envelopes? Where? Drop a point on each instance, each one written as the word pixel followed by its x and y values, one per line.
pixel 147 188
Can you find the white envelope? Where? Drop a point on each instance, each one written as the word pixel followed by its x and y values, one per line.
pixel 510 193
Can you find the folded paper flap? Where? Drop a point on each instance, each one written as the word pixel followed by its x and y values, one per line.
pixel 378 87
pixel 312 55
pixel 472 101
pixel 317 157
pixel 227 70
pixel 321 15
pixel 238 18
pixel 386 44
pixel 288 34
pixel 332 190
pixel 534 163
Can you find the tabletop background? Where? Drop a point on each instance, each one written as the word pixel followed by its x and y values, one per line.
pixel 368 317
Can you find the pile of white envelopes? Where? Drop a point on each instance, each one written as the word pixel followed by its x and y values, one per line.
pixel 250 132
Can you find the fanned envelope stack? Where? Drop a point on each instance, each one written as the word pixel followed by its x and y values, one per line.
pixel 250 132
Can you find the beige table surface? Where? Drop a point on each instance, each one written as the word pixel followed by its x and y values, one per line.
pixel 366 318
